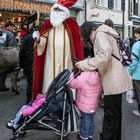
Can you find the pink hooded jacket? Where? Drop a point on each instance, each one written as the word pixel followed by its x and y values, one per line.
pixel 88 85
pixel 40 99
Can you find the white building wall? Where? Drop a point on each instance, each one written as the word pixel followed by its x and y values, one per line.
pixel 126 26
pixel 79 14
pixel 102 12
pixel 80 18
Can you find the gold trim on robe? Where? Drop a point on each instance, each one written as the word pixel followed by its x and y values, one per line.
pixel 58 55
pixel 42 44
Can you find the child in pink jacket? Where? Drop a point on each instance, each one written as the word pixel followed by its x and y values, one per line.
pixel 26 110
pixel 88 85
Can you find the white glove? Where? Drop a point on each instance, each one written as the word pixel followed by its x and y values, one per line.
pixel 36 35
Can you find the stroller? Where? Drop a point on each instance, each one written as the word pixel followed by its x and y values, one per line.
pixel 58 113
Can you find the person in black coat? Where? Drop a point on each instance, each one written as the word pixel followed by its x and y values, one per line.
pixel 26 56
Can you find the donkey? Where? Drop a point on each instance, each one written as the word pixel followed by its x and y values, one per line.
pixel 9 60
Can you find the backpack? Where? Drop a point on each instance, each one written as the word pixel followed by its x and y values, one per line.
pixel 124 51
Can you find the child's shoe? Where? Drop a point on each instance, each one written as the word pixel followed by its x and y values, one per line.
pixel 81 138
pixel 136 113
pixel 9 125
pixel 90 138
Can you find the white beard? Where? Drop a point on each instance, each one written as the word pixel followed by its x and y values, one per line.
pixel 56 18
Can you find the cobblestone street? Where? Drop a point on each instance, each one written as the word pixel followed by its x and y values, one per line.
pixel 11 103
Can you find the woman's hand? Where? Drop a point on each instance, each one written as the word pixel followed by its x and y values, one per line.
pixel 78 65
pixel 82 65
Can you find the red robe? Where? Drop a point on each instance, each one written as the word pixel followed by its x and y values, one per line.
pixel 76 47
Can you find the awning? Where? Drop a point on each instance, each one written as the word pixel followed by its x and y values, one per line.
pixel 24 6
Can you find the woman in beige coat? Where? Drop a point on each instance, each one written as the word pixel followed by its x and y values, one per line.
pixel 115 78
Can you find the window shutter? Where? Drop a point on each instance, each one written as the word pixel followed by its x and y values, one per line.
pixel 110 4
pixel 123 5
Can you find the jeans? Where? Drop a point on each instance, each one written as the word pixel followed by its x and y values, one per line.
pixel 87 125
pixel 16 120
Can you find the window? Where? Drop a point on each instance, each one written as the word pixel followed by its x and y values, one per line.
pixel 114 4
pixel 110 4
pixel 131 7
pixel 135 7
pixel 101 2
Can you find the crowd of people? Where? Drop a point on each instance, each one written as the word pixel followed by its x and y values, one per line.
pixel 43 56
pixel 9 38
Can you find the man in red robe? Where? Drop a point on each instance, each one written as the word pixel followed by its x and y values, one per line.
pixel 60 43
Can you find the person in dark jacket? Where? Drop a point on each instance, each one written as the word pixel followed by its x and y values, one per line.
pixel 24 28
pixel 26 60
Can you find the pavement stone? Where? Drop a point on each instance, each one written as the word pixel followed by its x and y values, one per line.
pixel 10 104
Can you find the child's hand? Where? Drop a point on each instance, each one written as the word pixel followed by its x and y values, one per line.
pixel 71 76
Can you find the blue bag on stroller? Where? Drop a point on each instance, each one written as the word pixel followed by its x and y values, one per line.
pixel 57 113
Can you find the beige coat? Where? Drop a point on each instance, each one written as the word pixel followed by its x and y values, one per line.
pixel 115 77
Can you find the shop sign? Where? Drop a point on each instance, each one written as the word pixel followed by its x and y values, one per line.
pixel 24 5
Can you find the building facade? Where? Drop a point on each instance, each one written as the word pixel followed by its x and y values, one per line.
pixel 106 9
pixel 124 13
pixel 133 16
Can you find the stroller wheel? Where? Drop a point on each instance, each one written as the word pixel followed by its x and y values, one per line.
pixel 14 138
pixel 22 134
pixel 66 134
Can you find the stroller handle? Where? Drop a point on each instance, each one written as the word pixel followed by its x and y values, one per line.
pixel 76 71
pixel 62 79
